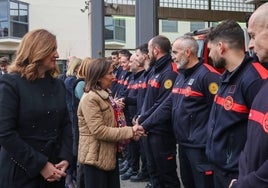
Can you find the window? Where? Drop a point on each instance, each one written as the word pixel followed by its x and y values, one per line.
pixel 3 18
pixel 13 18
pixel 197 26
pixel 120 27
pixel 3 10
pixel 169 26
pixel 115 29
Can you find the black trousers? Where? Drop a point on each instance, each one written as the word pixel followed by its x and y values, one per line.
pixel 97 178
pixel 223 178
pixel 143 156
pixel 162 153
pixel 196 172
pixel 134 148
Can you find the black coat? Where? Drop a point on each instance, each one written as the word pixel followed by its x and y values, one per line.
pixel 34 129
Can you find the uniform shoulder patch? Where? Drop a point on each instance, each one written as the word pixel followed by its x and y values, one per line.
pixel 213 88
pixel 168 84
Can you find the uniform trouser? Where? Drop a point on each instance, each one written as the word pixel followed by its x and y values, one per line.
pixel 162 149
pixel 143 156
pixel 134 155
pixel 222 178
pixel 194 168
pixel 151 168
pixel 97 178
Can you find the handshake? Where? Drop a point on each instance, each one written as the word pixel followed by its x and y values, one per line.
pixel 138 131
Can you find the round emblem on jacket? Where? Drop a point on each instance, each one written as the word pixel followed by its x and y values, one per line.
pixel 188 91
pixel 168 84
pixel 265 122
pixel 228 103
pixel 213 88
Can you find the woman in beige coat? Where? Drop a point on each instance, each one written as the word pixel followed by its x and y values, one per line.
pixel 98 128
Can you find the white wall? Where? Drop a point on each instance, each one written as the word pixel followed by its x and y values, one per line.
pixel 64 19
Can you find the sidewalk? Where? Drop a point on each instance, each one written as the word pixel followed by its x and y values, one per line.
pixel 128 184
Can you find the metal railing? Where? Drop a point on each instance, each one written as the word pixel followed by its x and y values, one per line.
pixel 222 5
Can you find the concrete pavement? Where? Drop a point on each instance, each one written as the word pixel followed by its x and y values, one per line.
pixel 128 184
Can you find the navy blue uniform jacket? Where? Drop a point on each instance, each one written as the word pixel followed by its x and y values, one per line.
pixel 189 104
pixel 142 87
pixel 253 163
pixel 227 126
pixel 159 85
pixel 131 93
pixel 123 83
pixel 193 93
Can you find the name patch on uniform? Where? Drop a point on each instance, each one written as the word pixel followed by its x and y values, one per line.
pixel 168 84
pixel 232 89
pixel 191 81
pixel 228 103
pixel 213 88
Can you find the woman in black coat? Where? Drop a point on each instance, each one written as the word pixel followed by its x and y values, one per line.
pixel 35 137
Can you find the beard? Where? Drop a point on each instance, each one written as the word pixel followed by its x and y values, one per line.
pixel 152 60
pixel 220 63
pixel 182 63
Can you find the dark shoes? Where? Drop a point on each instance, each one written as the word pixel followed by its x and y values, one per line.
pixel 123 170
pixel 141 177
pixel 149 185
pixel 130 172
pixel 122 164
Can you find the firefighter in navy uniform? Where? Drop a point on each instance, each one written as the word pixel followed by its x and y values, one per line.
pixel 193 94
pixel 123 75
pixel 253 162
pixel 117 71
pixel 188 106
pixel 227 126
pixel 161 151
pixel 142 58
pixel 130 110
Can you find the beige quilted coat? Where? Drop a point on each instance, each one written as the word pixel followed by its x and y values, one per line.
pixel 98 134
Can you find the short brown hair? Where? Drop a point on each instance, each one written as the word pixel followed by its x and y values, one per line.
pixel 96 70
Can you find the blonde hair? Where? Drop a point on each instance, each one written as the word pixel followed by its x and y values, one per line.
pixel 35 46
pixel 73 66
pixel 82 71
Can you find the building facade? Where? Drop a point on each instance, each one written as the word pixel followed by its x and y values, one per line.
pixel 69 21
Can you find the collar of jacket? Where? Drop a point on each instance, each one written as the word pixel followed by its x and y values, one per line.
pixel 137 75
pixel 104 94
pixel 162 62
pixel 190 71
pixel 228 76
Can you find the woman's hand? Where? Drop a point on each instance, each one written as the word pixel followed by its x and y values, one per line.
pixel 120 102
pixel 51 173
pixel 63 165
pixel 138 131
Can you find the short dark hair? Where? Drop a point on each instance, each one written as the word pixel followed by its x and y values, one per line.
pixel 125 53
pixel 114 53
pixel 162 42
pixel 143 48
pixel 4 60
pixel 229 31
